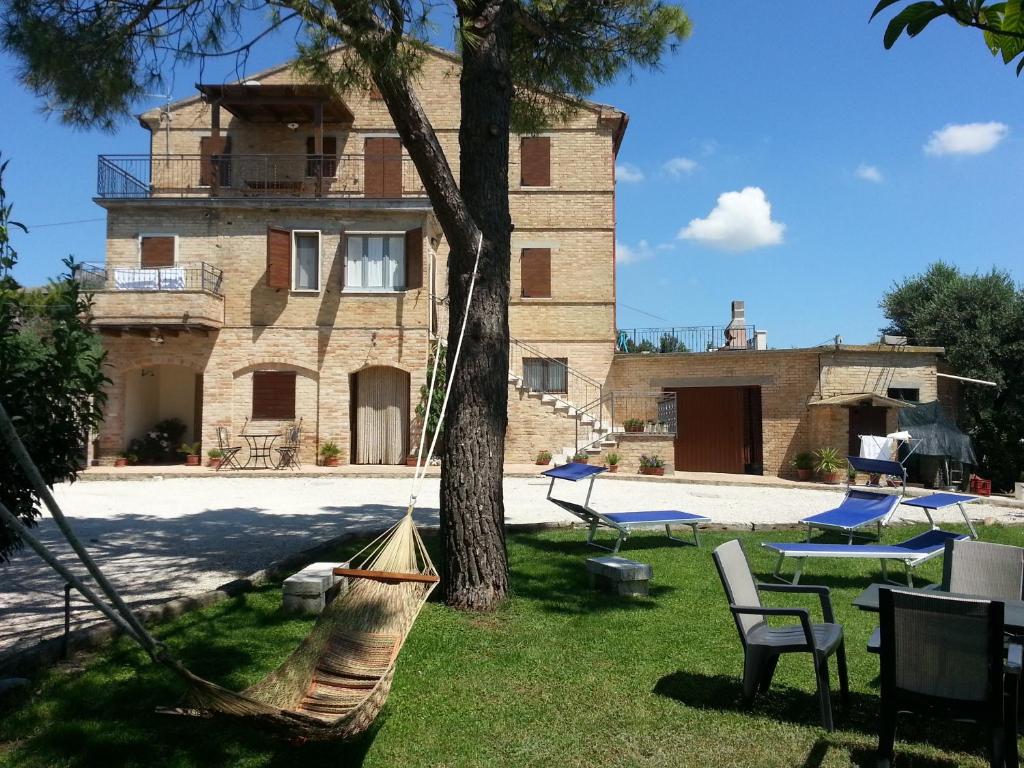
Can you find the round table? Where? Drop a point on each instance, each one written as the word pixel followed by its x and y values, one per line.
pixel 260 446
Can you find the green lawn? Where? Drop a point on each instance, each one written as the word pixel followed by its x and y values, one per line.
pixel 561 677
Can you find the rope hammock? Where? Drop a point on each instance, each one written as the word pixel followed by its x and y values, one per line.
pixel 337 680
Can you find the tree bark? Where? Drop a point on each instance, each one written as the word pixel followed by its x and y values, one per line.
pixel 475 564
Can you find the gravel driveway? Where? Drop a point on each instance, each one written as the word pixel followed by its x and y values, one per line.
pixel 160 539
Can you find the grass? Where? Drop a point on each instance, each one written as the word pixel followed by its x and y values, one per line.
pixel 561 676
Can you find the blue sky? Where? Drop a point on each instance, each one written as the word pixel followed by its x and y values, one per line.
pixel 794 106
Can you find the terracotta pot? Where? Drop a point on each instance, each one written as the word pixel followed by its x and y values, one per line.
pixel 635 428
pixel 804 474
pixel 613 468
pixel 831 478
pixel 191 461
pixel 410 461
pixel 214 463
pixel 331 462
pixel 543 463
pixel 659 471
pixel 580 461
pixel 120 462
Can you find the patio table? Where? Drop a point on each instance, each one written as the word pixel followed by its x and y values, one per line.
pixel 260 446
pixel 1013 614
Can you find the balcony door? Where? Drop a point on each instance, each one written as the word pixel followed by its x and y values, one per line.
pixel 382 167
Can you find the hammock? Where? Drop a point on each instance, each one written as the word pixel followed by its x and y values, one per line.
pixel 338 679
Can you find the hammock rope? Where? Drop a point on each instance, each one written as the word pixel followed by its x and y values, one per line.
pixel 337 680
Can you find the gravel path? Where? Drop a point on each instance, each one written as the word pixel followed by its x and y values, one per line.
pixel 160 539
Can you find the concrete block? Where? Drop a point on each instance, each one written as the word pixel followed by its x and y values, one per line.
pixel 620 575
pixel 308 604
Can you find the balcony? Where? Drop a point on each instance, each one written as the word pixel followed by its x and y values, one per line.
pixel 695 338
pixel 374 177
pixel 185 296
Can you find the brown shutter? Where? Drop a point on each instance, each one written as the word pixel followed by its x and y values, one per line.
pixel 157 252
pixel 535 161
pixel 375 94
pixel 273 395
pixel 382 167
pixel 344 258
pixel 279 258
pixel 414 258
pixel 330 155
pixel 209 146
pixel 536 272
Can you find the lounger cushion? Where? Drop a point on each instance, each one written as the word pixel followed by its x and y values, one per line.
pixel 859 508
pixel 926 543
pixel 659 516
pixel 939 500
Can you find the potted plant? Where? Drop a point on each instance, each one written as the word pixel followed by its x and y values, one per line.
pixel 214 456
pixel 121 460
pixel 543 458
pixel 580 458
pixel 613 462
pixel 191 451
pixel 851 475
pixel 652 465
pixel 803 463
pixel 411 460
pixel 633 425
pixel 829 464
pixel 329 453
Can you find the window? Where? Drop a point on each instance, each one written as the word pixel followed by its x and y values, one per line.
pixel 544 375
pixel 535 271
pixel 273 395
pixel 305 261
pixel 909 394
pixel 535 161
pixel 375 262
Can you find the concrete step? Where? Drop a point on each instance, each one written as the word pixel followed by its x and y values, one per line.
pixel 534 394
pixel 513 379
pixel 609 443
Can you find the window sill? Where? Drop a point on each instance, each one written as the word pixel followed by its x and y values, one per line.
pixel 374 291
pixel 306 291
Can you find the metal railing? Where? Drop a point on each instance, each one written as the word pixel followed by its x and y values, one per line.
pixel 548 375
pixel 694 338
pixel 652 412
pixel 146 176
pixel 198 276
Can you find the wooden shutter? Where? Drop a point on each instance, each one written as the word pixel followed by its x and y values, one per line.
pixel 279 258
pixel 536 272
pixel 157 252
pixel 209 166
pixel 329 155
pixel 344 258
pixel 535 161
pixel 414 258
pixel 382 167
pixel 273 395
pixel 375 94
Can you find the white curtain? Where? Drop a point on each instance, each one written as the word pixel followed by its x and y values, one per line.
pixel 382 415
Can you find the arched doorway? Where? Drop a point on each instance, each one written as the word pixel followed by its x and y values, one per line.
pixel 380 416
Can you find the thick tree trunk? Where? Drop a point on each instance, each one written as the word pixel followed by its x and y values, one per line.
pixel 472 505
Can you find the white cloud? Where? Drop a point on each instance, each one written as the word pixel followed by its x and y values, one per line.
pixel 627 254
pixel 966 139
pixel 741 221
pixel 628 172
pixel 679 166
pixel 869 173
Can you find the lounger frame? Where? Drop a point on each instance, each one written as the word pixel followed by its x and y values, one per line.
pixel 596 520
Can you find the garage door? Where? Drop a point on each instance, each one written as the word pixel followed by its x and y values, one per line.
pixel 719 429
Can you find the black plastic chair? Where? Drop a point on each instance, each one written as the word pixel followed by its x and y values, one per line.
pixel 763 644
pixel 943 657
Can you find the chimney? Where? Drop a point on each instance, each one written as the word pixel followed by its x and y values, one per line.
pixel 735 331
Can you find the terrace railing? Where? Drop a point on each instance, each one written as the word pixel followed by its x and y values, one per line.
pixel 146 176
pixel 651 411
pixel 548 375
pixel 198 276
pixel 694 338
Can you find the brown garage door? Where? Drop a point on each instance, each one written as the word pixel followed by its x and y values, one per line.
pixel 715 430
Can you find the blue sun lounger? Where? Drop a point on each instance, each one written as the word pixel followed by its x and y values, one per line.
pixel 863 505
pixel 911 553
pixel 621 522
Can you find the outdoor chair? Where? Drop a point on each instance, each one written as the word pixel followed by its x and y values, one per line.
pixel 288 451
pixel 943 656
pixel 228 452
pixel 981 568
pixel 763 644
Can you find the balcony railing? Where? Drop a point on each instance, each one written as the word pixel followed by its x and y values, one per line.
pixel 198 276
pixel 696 338
pixel 261 176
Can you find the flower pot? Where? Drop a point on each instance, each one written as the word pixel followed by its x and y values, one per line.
pixel 659 471
pixel 580 461
pixel 410 461
pixel 613 468
pixel 120 462
pixel 191 461
pixel 635 428
pixel 831 478
pixel 804 474
pixel 543 463
pixel 332 462
pixel 214 463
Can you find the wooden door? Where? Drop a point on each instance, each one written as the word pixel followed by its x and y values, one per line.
pixel 865 420
pixel 710 435
pixel 381 416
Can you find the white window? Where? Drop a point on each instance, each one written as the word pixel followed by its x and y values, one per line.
pixel 306 260
pixel 376 262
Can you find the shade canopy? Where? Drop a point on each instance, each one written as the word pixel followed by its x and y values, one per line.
pixel 862 398
pixel 935 434
pixel 278 103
